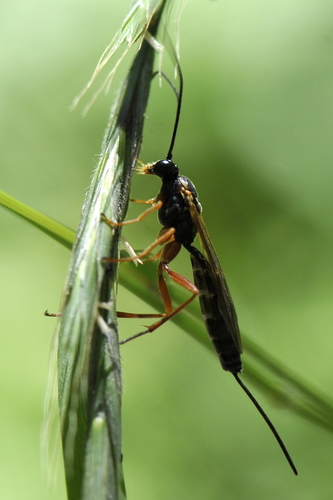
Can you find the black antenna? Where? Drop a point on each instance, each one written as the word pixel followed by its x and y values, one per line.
pixel 179 105
pixel 268 422
pixel 179 96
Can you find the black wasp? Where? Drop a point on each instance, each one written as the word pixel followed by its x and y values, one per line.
pixel 179 212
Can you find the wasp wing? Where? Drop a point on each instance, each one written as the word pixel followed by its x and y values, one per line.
pixel 225 303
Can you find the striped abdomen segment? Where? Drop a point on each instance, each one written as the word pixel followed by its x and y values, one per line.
pixel 217 325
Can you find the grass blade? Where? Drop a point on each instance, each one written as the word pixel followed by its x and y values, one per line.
pixel 62 234
pixel 88 355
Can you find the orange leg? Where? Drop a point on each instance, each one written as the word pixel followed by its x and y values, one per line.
pixel 170 251
pixel 155 206
pixel 146 202
pixel 121 314
pixel 163 238
pixel 52 315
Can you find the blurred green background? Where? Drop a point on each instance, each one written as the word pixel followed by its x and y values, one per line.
pixel 256 139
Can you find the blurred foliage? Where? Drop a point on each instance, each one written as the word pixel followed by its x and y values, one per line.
pixel 255 139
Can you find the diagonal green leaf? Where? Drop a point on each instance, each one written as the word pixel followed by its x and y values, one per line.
pixel 51 227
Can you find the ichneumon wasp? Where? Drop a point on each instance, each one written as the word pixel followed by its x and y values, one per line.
pixel 179 212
